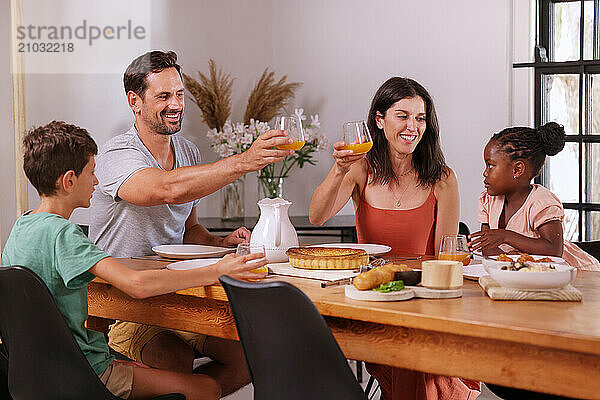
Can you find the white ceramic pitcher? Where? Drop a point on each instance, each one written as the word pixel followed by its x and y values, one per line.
pixel 274 229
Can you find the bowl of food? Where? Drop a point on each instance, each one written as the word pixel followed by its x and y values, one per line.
pixel 529 275
pixel 502 259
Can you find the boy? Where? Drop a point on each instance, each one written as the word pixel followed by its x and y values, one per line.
pixel 59 163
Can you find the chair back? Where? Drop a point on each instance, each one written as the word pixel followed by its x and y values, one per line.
pixel 290 351
pixel 463 229
pixel 4 394
pixel 44 360
pixel 592 247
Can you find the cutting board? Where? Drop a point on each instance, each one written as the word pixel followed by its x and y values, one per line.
pixel 321 274
pixel 407 293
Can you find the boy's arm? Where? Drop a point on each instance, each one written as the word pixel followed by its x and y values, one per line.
pixel 142 284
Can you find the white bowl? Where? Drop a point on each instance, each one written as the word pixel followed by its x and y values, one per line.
pixel 528 280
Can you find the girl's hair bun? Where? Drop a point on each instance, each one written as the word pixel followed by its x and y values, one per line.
pixel 552 138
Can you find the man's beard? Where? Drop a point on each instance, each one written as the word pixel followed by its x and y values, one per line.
pixel 163 128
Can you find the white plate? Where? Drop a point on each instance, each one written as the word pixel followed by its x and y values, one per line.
pixel 528 280
pixel 192 264
pixel 474 271
pixel 371 249
pixel 189 251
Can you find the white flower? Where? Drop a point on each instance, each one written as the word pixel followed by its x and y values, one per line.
pixel 300 113
pixel 236 138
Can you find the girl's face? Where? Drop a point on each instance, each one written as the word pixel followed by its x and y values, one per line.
pixel 499 170
pixel 404 124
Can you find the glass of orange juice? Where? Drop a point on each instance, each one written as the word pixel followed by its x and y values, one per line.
pixel 293 126
pixel 454 247
pixel 357 137
pixel 248 248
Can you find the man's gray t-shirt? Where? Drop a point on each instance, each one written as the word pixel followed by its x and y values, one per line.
pixel 120 228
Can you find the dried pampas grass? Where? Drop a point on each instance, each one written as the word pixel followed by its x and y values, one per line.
pixel 212 95
pixel 268 97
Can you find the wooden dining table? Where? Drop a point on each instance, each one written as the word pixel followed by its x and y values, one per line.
pixel 546 346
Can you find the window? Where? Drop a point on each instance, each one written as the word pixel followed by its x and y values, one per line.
pixel 567 90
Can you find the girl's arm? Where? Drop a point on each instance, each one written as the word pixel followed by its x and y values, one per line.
pixel 341 182
pixel 550 242
pixel 448 207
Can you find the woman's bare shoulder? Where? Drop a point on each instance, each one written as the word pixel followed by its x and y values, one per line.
pixel 448 183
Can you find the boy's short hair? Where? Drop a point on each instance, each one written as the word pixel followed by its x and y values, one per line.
pixel 53 149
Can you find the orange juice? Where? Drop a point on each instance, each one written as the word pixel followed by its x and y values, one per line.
pixel 464 257
pixel 359 148
pixel 296 145
pixel 260 270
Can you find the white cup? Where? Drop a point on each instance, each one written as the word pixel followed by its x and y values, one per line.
pixel 442 274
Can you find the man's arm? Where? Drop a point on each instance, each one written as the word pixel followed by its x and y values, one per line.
pixel 153 186
pixel 197 234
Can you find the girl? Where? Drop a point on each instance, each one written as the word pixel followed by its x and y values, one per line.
pixel 518 215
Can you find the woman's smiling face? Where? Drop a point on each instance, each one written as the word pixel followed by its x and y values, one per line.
pixel 404 124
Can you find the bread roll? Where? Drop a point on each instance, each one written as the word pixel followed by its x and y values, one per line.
pixel 375 277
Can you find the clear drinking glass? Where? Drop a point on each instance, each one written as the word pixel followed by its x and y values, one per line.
pixel 293 126
pixel 357 137
pixel 454 247
pixel 247 248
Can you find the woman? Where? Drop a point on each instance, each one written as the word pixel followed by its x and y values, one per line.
pixel 405 196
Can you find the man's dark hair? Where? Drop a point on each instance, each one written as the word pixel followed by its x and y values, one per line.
pixel 135 75
pixel 53 149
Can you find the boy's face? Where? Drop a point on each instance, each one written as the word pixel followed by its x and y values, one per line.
pixel 84 184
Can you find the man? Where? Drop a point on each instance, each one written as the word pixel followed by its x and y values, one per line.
pixel 150 182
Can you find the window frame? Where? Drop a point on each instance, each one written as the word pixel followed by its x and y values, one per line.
pixel 583 68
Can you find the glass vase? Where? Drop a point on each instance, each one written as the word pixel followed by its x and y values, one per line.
pixel 270 186
pixel 232 200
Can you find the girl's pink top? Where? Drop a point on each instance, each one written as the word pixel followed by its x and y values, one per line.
pixel 541 206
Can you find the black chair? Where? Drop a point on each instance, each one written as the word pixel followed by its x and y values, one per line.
pixel 4 374
pixel 290 351
pixel 463 229
pixel 44 360
pixel 507 393
pixel 592 248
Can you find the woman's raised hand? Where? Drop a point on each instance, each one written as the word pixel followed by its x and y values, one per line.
pixel 345 158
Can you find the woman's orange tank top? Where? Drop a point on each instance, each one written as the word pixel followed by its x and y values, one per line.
pixel 405 231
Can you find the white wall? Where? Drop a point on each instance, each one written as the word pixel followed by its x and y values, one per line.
pixel 342 50
pixel 7 158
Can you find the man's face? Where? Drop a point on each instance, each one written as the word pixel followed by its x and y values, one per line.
pixel 161 109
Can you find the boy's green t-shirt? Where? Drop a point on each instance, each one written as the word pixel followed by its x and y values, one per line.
pixel 58 251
